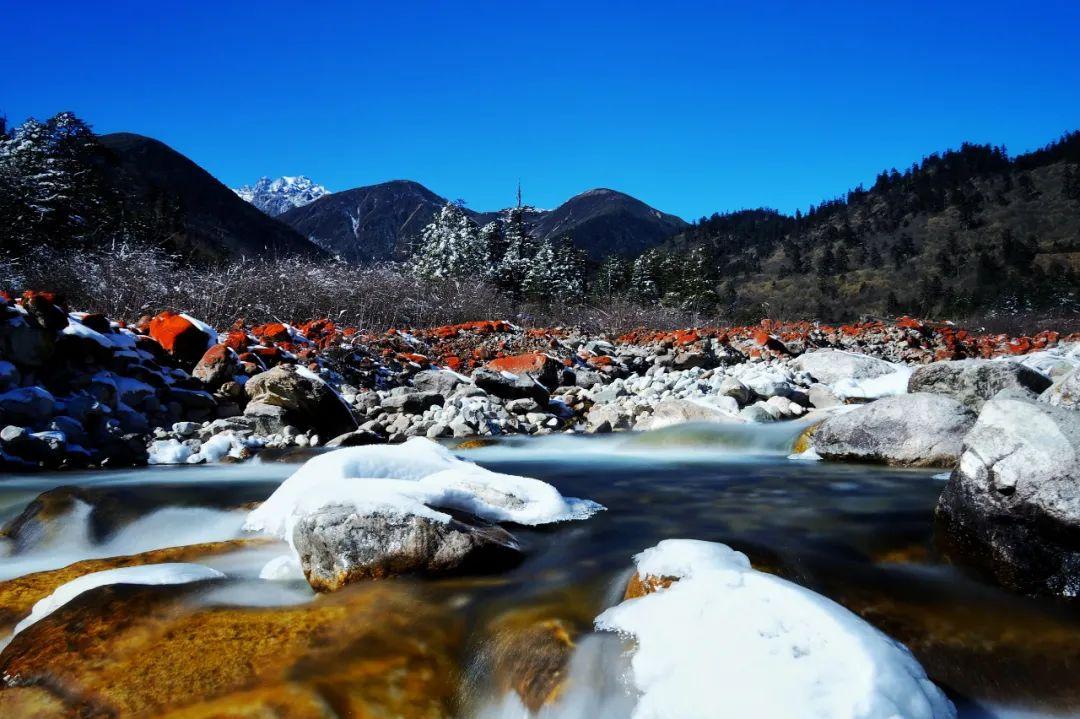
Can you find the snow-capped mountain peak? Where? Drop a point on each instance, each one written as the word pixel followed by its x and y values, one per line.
pixel 277 196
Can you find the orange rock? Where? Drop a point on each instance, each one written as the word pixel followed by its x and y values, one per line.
pixel 272 332
pixel 178 336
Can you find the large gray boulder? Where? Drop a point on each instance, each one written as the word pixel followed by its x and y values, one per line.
pixel 307 400
pixel 506 385
pixel 973 381
pixel 607 417
pixel 438 381
pixel 832 366
pixel 670 412
pixel 911 430
pixel 1012 505
pixel 338 546
pixel 1065 392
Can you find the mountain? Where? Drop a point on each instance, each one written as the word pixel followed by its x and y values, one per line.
pixel 276 197
pixel 964 231
pixel 381 222
pixel 605 222
pixel 184 204
pixel 367 224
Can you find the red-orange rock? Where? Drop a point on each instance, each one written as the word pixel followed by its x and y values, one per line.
pixel 218 365
pixel 178 336
pixel 46 309
pixel 271 332
pixel 542 366
pixel 236 340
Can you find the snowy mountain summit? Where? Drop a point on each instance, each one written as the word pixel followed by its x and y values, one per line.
pixel 275 197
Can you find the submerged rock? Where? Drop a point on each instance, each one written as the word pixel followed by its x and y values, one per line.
pixel 913 430
pixel 338 546
pixel 973 381
pixel 1012 505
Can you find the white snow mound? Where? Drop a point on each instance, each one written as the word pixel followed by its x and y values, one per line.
pixel 409 479
pixel 728 638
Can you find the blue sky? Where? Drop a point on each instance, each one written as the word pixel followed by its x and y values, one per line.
pixel 693 107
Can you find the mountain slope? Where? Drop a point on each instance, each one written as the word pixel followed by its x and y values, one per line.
pixel 367 224
pixel 184 204
pixel 278 196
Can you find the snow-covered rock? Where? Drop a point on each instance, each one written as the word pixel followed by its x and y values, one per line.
pixel 714 637
pixel 278 196
pixel 973 381
pixel 833 366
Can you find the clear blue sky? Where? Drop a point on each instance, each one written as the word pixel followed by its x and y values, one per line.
pixel 693 107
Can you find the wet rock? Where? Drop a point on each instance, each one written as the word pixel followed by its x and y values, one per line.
pixel 1065 392
pixel 973 381
pixel 218 365
pixel 832 366
pixel 913 430
pixel 1012 505
pixel 264 418
pixel 308 401
pixel 376 651
pixel 510 386
pixel 670 412
pixel 179 336
pixel 530 656
pixel 9 376
pixel 338 546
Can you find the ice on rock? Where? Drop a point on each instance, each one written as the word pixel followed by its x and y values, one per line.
pixel 726 636
pixel 409 479
pixel 150 574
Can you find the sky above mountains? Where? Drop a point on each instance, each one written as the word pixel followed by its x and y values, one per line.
pixel 691 107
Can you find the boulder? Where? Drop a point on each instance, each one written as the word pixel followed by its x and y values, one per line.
pixel 669 412
pixel 832 366
pixel 265 418
pixel 45 310
pixel 973 381
pixel 218 365
pixel 1012 505
pixel 26 345
pixel 359 438
pixel 821 396
pixel 912 430
pixel 338 546
pixel 412 402
pixel 542 367
pixel 26 405
pixel 441 382
pixel 1065 392
pixel 179 336
pixel 607 417
pixel 731 387
pixel 507 385
pixel 307 400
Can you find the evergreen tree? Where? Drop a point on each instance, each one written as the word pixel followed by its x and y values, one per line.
pixel 450 247
pixel 612 277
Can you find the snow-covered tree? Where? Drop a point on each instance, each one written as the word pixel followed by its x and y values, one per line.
pixel 645 277
pixel 450 246
pixel 521 248
pixel 611 279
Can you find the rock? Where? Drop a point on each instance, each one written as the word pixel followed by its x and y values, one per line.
pixel 973 381
pixel 670 412
pixel 179 336
pixel 832 366
pixel 45 310
pixel 218 365
pixel 510 386
pixel 757 412
pixel 686 360
pixel 1065 392
pixel 308 401
pixel 543 368
pixel 9 376
pixel 1012 505
pixel 440 382
pixel 358 438
pixel 607 417
pixel 338 546
pixel 731 387
pixel 525 405
pixel 822 397
pixel 131 651
pixel 412 402
pixel 912 430
pixel 265 418
pixel 26 345
pixel 26 405
pixel 22 443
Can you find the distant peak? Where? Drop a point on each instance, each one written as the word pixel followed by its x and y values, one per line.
pixel 279 195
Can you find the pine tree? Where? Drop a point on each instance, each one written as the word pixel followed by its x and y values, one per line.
pixel 450 247
pixel 644 280
pixel 516 261
pixel 612 277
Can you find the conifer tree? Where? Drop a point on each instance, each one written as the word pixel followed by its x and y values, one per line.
pixel 450 247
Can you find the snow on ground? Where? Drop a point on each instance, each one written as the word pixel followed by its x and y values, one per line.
pixel 214 449
pixel 886 385
pixel 409 479
pixel 168 573
pixel 726 635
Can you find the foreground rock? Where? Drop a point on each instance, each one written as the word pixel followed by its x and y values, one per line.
pixel 914 430
pixel 972 382
pixel 128 651
pixel 305 398
pixel 712 632
pixel 1012 505
pixel 338 546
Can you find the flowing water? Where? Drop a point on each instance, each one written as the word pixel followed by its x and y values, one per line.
pixel 861 535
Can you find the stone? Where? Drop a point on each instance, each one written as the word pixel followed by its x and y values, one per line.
pixel 27 405
pixel 412 402
pixel 731 387
pixel 218 365
pixel 1065 392
pixel 832 366
pixel 338 546
pixel 1012 505
pixel 542 367
pixel 973 381
pixel 357 438
pixel 180 337
pixel 265 418
pixel 607 417
pixel 670 412
pixel 525 405
pixel 822 397
pixel 509 386
pixel 442 382
pixel 26 345
pixel 308 401
pixel 911 430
